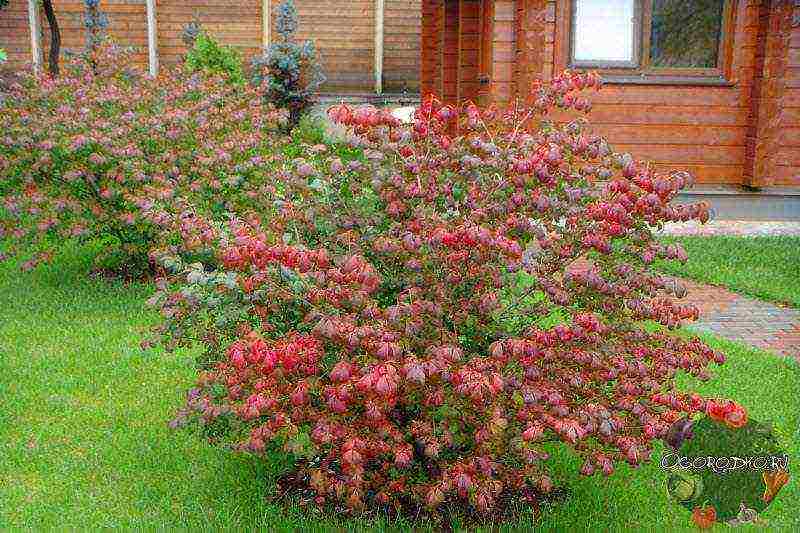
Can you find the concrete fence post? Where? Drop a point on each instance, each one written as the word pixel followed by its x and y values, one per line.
pixel 266 23
pixel 379 8
pixel 152 38
pixel 35 23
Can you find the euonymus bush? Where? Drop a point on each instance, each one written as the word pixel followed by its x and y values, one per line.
pixel 104 151
pixel 383 323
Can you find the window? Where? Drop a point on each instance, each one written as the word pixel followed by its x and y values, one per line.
pixel 605 33
pixel 651 39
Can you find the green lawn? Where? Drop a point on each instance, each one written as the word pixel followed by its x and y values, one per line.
pixel 764 267
pixel 85 443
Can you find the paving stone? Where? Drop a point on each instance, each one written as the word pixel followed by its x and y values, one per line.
pixel 739 318
pixel 736 317
pixel 740 228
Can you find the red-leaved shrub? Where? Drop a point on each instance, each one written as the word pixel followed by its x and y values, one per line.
pixel 105 151
pixel 415 327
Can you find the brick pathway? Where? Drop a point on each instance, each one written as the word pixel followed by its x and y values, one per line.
pixel 740 228
pixel 736 317
pixel 739 318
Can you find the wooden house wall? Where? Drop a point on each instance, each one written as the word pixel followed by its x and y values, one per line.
pixel 485 51
pixel 450 50
pixel 696 128
pixel 14 36
pixel 786 170
pixel 402 35
pixel 504 50
pixel 745 133
pixel 773 140
pixel 468 49
pixel 429 56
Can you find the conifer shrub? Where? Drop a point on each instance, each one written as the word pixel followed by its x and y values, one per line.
pixel 289 72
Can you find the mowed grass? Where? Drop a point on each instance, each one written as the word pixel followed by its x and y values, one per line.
pixel 84 442
pixel 763 267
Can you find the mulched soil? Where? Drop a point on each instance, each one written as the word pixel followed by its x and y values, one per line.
pixel 292 488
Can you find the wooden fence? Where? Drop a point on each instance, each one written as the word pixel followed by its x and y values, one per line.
pixel 366 45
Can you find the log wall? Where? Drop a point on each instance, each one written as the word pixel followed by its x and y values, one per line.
pixel 746 132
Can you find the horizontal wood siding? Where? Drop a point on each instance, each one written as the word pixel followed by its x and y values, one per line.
pixel 127 24
pixel 402 27
pixel 235 24
pixel 486 39
pixel 531 35
pixel 468 49
pixel 450 52
pixel 700 129
pixel 428 48
pixel 504 48
pixel 343 31
pixel 344 34
pixel 15 37
pixel 787 171
pixel 745 133
pixel 438 73
pixel 774 136
pixel 757 114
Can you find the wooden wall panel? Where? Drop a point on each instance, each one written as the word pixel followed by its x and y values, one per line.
pixel 343 31
pixel 485 61
pixel 15 37
pixel 658 134
pixel 532 31
pixel 127 24
pixel 789 173
pixel 697 128
pixel 401 49
pixel 438 48
pixel 450 52
pixel 758 46
pixel 773 147
pixel 428 48
pixel 504 47
pixel 235 24
pixel 468 49
pixel 706 173
pixel 344 34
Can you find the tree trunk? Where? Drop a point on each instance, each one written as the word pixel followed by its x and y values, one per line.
pixel 55 36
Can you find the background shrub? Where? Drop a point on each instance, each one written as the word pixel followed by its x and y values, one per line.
pixel 107 151
pixel 208 56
